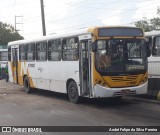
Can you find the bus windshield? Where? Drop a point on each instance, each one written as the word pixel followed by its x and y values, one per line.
pixel 121 56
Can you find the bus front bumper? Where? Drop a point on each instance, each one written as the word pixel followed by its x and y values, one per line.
pixel 100 91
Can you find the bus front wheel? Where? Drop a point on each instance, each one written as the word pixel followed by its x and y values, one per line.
pixel 27 87
pixel 73 92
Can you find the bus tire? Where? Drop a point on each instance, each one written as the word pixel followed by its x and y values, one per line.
pixel 73 92
pixel 27 87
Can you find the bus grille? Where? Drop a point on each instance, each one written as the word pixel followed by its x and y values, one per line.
pixel 124 78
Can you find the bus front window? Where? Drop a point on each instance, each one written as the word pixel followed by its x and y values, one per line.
pixel 120 55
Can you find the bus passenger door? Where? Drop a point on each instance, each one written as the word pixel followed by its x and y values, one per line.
pixel 85 67
pixel 15 64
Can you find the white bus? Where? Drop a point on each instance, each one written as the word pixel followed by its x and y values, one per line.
pixel 3 61
pixel 3 58
pixel 153 38
pixel 95 63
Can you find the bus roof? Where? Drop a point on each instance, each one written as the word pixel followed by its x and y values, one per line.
pixel 152 33
pixel 49 37
pixel 70 34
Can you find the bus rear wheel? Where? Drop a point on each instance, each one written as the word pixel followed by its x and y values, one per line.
pixel 27 87
pixel 73 92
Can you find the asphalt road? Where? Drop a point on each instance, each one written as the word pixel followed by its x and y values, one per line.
pixel 42 108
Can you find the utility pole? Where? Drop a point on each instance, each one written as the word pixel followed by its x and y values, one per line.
pixel 43 18
pixel 19 22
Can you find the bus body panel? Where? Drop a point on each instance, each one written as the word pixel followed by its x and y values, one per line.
pixel 43 75
pixel 153 67
pixel 42 80
pixel 30 71
pixel 10 71
pixel 100 91
pixel 48 79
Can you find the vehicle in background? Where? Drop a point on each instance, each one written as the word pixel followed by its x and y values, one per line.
pixel 153 38
pixel 3 62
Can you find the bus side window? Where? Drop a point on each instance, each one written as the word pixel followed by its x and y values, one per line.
pixel 22 52
pixel 54 50
pixel 41 51
pixel 70 49
pixel 30 52
pixel 64 44
pixel 156 46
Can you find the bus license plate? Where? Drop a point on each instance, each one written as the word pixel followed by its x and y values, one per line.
pixel 124 92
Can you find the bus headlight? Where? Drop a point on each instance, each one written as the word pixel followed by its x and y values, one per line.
pixel 104 84
pixel 144 80
pixel 101 82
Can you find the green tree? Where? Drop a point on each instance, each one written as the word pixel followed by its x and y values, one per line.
pixel 7 34
pixel 143 24
pixel 149 24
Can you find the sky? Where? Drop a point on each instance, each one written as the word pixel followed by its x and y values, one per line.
pixel 68 15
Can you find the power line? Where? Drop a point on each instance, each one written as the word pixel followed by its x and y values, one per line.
pixel 91 21
pixel 11 11
pixel 110 16
pixel 52 12
pixel 70 16
pixel 102 8
pixel 86 12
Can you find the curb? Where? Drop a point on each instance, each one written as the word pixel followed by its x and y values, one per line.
pixel 142 99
